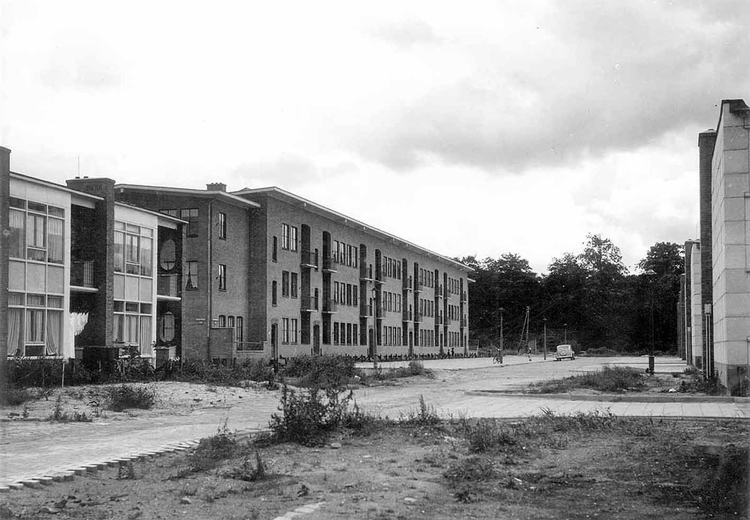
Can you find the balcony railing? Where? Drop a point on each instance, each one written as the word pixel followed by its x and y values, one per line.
pixel 438 320
pixel 329 264
pixel 330 305
pixel 249 346
pixel 309 303
pixel 406 315
pixel 438 290
pixel 82 273
pixel 417 286
pixel 464 296
pixel 407 283
pixel 168 285
pixel 380 275
pixel 464 322
pixel 365 272
pixel 365 310
pixel 380 313
pixel 309 259
pixel 418 318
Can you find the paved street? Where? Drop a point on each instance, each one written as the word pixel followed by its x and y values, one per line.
pixel 471 387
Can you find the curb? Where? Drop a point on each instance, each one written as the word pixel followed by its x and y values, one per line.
pixel 611 398
pixel 68 474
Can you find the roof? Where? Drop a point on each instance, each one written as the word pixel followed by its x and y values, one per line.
pixel 290 198
pixel 216 194
pixel 56 186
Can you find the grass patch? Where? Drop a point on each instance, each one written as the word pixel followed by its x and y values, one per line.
pixel 124 397
pixel 609 379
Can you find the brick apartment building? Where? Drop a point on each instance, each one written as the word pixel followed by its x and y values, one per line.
pixel 719 265
pixel 108 268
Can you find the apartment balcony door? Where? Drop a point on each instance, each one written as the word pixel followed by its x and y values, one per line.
pixel 316 339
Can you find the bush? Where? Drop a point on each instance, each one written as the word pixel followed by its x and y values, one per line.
pixel 610 379
pixel 309 418
pixel 123 397
pixel 472 469
pixel 48 372
pixel 424 416
pixel 321 371
pixel 488 434
pixel 211 450
pixel 18 396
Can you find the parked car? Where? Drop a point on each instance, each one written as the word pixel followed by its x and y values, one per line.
pixel 565 352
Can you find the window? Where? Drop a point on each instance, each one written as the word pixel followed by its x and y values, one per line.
pixel 275 250
pixel 222 224
pixel 17 234
pixel 133 249
pixel 288 237
pixel 285 284
pixel 294 285
pixel 191 274
pixel 132 324
pixel 238 335
pixel 222 321
pixel 293 330
pixel 284 330
pixel 222 277
pixel 191 215
pixel 230 322
pixel 166 327
pixel 274 290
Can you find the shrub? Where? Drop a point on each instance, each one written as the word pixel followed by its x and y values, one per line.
pixel 48 372
pixel 212 450
pixel 472 469
pixel 60 415
pixel 124 396
pixel 18 396
pixel 248 471
pixel 308 418
pixel 425 415
pixel 610 379
pixel 487 434
pixel 321 371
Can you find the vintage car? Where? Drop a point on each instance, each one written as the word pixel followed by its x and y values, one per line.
pixel 565 352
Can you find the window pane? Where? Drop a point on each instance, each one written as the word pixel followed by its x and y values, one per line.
pixel 55 237
pixel 119 251
pixel 146 256
pixel 17 234
pixel 35 326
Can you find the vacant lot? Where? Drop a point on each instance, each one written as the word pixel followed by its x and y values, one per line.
pixel 584 466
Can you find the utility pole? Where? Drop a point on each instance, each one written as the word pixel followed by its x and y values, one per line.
pixel 501 335
pixel 545 338
pixel 528 326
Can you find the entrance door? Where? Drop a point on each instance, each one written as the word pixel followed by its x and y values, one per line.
pixel 316 339
pixel 274 342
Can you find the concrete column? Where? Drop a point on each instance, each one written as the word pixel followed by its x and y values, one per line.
pixel 4 263
pixel 706 144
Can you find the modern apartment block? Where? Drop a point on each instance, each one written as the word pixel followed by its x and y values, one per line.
pixel 81 269
pixel 100 269
pixel 723 271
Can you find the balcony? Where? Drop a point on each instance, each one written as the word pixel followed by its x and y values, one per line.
pixel 418 318
pixel 309 260
pixel 380 313
pixel 464 297
pixel 330 306
pixel 168 285
pixel 82 274
pixel 379 275
pixel 438 291
pixel 448 320
pixel 464 322
pixel 329 264
pixel 407 283
pixel 365 310
pixel 365 273
pixel 406 315
pixel 438 320
pixel 417 286
pixel 308 304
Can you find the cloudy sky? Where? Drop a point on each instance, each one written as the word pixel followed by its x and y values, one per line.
pixel 483 129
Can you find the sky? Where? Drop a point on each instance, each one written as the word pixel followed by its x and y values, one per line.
pixel 473 128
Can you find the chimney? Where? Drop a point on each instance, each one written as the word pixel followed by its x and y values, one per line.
pixel 216 186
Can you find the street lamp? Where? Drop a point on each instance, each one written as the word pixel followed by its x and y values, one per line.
pixel 545 337
pixel 651 273
pixel 375 332
pixel 501 335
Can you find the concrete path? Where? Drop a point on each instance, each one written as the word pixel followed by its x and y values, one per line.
pixel 34 452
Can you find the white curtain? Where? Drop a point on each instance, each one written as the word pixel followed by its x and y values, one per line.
pixel 55 242
pixel 78 321
pixel 15 318
pixel 54 333
pixel 146 340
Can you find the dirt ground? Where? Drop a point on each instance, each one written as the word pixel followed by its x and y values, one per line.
pixel 637 470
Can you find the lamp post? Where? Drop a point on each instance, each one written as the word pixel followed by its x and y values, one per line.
pixel 545 338
pixel 375 332
pixel 501 335
pixel 651 273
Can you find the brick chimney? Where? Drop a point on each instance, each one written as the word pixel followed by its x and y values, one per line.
pixel 216 186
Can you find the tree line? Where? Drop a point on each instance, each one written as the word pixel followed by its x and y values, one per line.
pixel 589 299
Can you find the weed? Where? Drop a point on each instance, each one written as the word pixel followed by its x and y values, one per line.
pixel 60 415
pixel 424 416
pixel 487 434
pixel 125 471
pixel 471 469
pixel 124 397
pixel 610 379
pixel 19 396
pixel 211 450
pixel 321 371
pixel 248 471
pixel 698 384
pixel 722 481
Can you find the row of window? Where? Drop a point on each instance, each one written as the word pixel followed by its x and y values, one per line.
pixel 36 231
pixel 454 312
pixel 426 277
pixel 344 254
pixel 345 333
pixel 34 324
pixel 426 307
pixel 289 285
pixel 346 293
pixel 391 302
pixel 427 338
pixel 133 249
pixel 391 267
pixel 391 337
pixel 454 286
pixel 132 323
pixel 232 322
